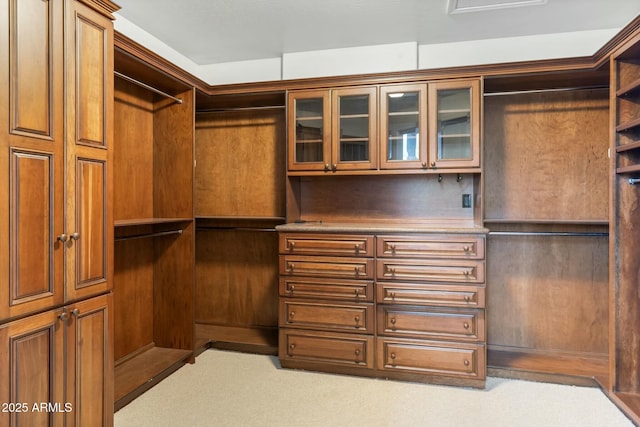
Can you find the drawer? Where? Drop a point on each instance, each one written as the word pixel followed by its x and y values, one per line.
pixel 329 348
pixel 317 266
pixel 331 289
pixel 431 294
pixel 358 318
pixel 431 357
pixel 431 246
pixel 326 244
pixel 462 271
pixel 431 323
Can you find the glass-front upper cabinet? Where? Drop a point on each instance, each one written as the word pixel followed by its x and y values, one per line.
pixel 403 126
pixel 309 130
pixel 454 124
pixel 332 130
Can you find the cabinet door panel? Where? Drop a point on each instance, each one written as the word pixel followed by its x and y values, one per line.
pixel 91 39
pixel 90 350
pixel 31 360
pixel 32 60
pixel 309 132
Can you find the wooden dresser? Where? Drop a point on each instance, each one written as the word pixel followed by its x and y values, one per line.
pixel 384 302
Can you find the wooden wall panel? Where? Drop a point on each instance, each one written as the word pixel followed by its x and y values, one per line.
pixel 546 156
pixel 548 293
pixel 406 198
pixel 173 136
pixel 133 152
pixel 237 278
pixel 133 296
pixel 241 155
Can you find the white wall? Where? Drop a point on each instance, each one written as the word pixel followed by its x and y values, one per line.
pixel 378 59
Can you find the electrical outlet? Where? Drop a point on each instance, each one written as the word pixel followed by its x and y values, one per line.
pixel 466 200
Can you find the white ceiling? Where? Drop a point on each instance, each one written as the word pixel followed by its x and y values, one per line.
pixel 222 31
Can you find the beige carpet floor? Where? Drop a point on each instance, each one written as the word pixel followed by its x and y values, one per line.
pixel 236 389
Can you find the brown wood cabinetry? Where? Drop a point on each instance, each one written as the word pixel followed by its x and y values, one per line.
pixel 57 261
pixel 458 262
pixel 625 228
pixel 334 129
pixel 427 317
pixel 336 296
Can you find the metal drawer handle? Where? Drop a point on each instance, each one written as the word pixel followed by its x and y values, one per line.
pixel 466 248
pixel 292 246
pixel 357 248
pixel 466 273
pixel 358 271
pixel 290 266
pixel 392 295
pixel 63 238
pixel 467 298
pixel 392 247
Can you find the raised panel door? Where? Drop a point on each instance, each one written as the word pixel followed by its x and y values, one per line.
pixel 32 160
pixel 32 366
pixel 89 346
pixel 89 222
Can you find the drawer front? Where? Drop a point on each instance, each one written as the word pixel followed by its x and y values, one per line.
pixel 337 349
pixel 357 318
pixel 431 246
pixel 331 289
pixel 326 244
pixel 431 323
pixel 432 357
pixel 346 268
pixel 431 294
pixel 461 271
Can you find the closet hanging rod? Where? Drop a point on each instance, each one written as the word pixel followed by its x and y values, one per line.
pixel 562 89
pixel 146 86
pixel 549 233
pixel 224 110
pixel 235 229
pixel 143 236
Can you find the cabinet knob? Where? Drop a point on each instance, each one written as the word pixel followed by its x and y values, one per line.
pixel 392 295
pixel 357 319
pixel 75 236
pixel 63 238
pixel 433 164
pixel 424 165
pixel 466 363
pixel 392 248
pixel 334 167
pixel 357 248
pixel 467 298
pixel 357 291
pixel 292 288
pixel 466 248
pixel 63 316
pixel 292 314
pixel 292 246
pixel 393 356
pixel 357 352
pixel 466 325
pixel 326 167
pixel 290 266
pixel 75 312
pixel 466 273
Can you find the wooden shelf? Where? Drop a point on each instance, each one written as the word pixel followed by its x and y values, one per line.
pixel 148 221
pixel 622 127
pixel 137 374
pixel 626 90
pixel 628 147
pixel 628 169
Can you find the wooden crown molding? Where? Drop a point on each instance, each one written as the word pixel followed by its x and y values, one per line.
pixel 105 7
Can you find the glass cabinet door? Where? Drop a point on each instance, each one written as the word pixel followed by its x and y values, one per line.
pixel 309 130
pixel 354 129
pixel 454 124
pixel 403 126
